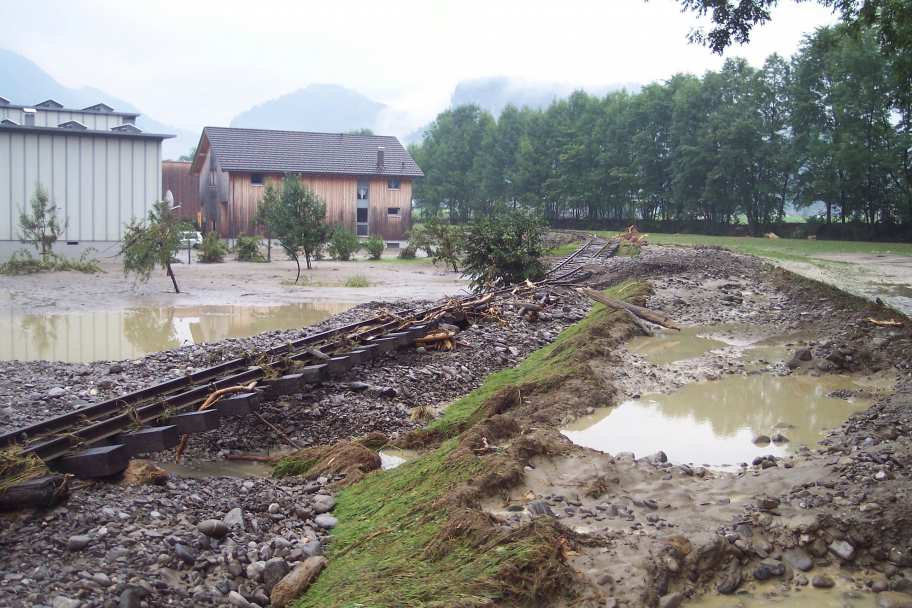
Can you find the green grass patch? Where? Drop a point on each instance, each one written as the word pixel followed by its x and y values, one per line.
pixel 563 250
pixel 22 262
pixel 799 250
pixel 358 280
pixel 288 467
pixel 403 541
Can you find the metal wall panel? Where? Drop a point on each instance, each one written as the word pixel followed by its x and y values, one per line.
pixel 97 183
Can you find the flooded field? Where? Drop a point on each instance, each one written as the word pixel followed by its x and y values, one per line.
pixel 80 337
pixel 715 423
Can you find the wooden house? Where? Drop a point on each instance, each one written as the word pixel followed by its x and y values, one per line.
pixel 184 187
pixel 365 180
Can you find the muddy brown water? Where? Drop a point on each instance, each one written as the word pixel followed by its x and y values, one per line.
pixel 715 422
pixel 81 337
pixel 204 469
pixel 809 598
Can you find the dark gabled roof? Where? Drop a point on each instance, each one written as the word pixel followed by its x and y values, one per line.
pixel 266 151
pixel 49 104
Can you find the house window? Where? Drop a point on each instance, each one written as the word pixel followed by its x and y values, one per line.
pixel 393 211
pixel 393 183
pixel 256 179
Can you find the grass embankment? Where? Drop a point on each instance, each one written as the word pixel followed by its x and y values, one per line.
pixel 415 536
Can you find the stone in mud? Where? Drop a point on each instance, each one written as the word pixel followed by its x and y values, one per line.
pixel 65 602
pixel 312 548
pixel 274 571
pixel 779 438
pixel 132 597
pixel 213 528
pixel 731 580
pixel 78 542
pixel 323 503
pixel 894 599
pixel 798 559
pixel 234 518
pixel 761 440
pixel 237 600
pixel 539 508
pixel 842 549
pixel 767 503
pixel 900 557
pixel 57 391
pixel 326 521
pixel 297 581
pixel 184 554
pixel 822 581
pixel 671 600
pixel 767 569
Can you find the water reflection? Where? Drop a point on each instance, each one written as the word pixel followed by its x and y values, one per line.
pixel 668 347
pixel 390 458
pixel 715 422
pixel 126 334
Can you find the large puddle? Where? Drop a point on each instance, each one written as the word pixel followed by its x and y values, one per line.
pixel 126 334
pixel 204 469
pixel 715 423
pixel 810 598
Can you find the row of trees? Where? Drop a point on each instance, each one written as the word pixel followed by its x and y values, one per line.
pixel 824 127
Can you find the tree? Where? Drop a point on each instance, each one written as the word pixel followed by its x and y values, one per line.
pixel 295 216
pixel 39 225
pixel 189 155
pixel 152 242
pixel 361 131
pixel 504 248
pixel 444 242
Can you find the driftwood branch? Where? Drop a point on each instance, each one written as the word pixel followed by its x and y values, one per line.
pixel 643 313
pixel 35 493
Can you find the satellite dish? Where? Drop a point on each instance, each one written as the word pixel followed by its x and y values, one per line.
pixel 169 198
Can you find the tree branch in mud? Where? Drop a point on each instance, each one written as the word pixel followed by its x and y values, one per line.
pixel 639 311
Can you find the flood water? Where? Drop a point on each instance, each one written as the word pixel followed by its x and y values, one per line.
pixel 81 337
pixel 391 458
pixel 714 423
pixel 809 598
pixel 204 469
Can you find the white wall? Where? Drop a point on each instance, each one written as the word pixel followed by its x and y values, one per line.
pixel 99 183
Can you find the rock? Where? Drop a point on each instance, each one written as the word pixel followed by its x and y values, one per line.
pixel 57 391
pixel 312 548
pixel 767 503
pixel 213 528
pixel 900 557
pixel 731 580
pixel 102 579
pixel 326 521
pixel 273 508
pixel 767 569
pixel 296 582
pixel 671 600
pixel 779 438
pixel 65 602
pixel 323 503
pixel 255 570
pixel 822 581
pixel 78 542
pixel 761 440
pixel 842 549
pixel 539 508
pixel 798 559
pixel 893 599
pixel 185 554
pixel 116 368
pixel 658 458
pixel 236 599
pixel 132 597
pixel 275 569
pixel 234 518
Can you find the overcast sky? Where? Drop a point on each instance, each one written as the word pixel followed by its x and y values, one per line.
pixel 199 62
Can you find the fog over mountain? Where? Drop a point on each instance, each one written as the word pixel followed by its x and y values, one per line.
pixel 25 83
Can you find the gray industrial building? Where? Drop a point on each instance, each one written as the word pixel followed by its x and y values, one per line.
pixel 96 165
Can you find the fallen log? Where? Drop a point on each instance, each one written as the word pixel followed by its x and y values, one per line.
pixel 35 493
pixel 639 311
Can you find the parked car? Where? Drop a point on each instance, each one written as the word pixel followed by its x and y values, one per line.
pixel 191 239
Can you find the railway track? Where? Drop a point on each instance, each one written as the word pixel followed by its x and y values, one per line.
pixel 100 439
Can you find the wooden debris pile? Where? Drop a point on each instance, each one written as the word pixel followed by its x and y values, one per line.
pixel 632 236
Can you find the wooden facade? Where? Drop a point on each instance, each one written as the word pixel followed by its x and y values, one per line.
pixel 340 193
pixel 364 180
pixel 184 186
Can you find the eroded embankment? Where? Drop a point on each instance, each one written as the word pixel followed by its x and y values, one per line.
pixel 419 536
pixel 504 510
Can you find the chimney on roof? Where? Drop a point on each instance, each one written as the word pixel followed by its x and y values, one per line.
pixel 380 150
